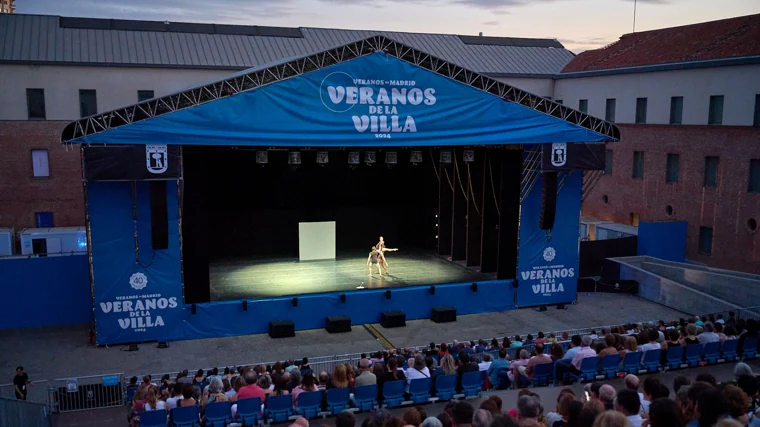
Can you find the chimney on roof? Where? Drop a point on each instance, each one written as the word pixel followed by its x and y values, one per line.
pixel 480 34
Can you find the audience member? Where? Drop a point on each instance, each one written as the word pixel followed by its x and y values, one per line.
pixel 574 367
pixel 529 370
pixel 490 406
pixel 555 416
pixel 495 367
pixel 680 381
pixel 431 422
pixel 529 408
pixel 462 413
pixel 464 366
pixel 413 417
pixel 420 370
pixel 497 400
pixel 738 402
pixel 629 404
pixel 486 363
pixel 607 395
pixel 706 378
pixel 482 418
pixel 612 419
pixel 664 412
pixel 251 389
pixel 711 407
pixel 366 377
pixel 504 421
pixel 445 418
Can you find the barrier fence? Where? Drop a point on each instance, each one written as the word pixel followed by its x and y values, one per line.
pixel 37 392
pixel 17 413
pixel 85 393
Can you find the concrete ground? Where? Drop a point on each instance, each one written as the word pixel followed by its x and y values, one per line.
pixel 117 416
pixel 62 352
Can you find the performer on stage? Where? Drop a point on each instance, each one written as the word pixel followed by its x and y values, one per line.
pixel 374 259
pixel 381 247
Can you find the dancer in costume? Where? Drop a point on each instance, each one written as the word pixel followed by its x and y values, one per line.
pixel 381 247
pixel 374 258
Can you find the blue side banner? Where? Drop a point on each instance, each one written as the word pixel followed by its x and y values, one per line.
pixel 374 100
pixel 548 261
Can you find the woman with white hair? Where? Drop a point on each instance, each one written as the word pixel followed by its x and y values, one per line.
pixel 215 392
pixel 742 368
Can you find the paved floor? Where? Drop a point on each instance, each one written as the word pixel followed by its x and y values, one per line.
pixel 265 278
pixel 117 416
pixel 62 352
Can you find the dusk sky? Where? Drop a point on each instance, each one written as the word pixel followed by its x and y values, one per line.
pixel 578 24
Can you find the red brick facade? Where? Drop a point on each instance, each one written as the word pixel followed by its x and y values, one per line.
pixel 21 194
pixel 726 208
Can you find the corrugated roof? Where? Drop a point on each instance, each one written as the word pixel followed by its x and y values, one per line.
pixel 42 39
pixel 727 38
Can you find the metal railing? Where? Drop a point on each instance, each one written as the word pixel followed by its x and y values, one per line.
pixel 16 413
pixel 37 392
pixel 85 393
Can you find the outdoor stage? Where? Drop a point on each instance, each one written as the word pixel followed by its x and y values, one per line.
pixel 265 278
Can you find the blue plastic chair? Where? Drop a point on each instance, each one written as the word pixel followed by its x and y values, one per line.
pixel 309 403
pixel 419 389
pixel 711 352
pixel 674 356
pixel 632 362
pixel 445 385
pixel 542 374
pixel 589 366
pixel 749 349
pixel 365 397
pixel 249 411
pixel 279 408
pixel 692 354
pixel 186 416
pixel 471 384
pixel 338 400
pixel 218 414
pixel 483 379
pixel 393 393
pixel 155 418
pixel 651 360
pixel 729 350
pixel 610 365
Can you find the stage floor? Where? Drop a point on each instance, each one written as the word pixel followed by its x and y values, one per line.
pixel 266 278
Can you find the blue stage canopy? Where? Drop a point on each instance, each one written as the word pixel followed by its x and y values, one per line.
pixel 372 100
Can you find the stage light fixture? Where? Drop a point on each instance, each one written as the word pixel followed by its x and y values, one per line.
pixel 416 157
pixel 353 158
pixel 343 298
pixel 391 158
pixel 294 158
pixel 262 157
pixel 468 156
pixel 295 301
pixel 388 294
pixel 474 287
pixel 446 157
pixel 369 157
pixel 322 158
pixel 432 290
pixel 245 305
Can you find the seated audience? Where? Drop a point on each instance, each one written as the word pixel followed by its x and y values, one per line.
pixel 485 363
pixel 345 419
pixel 365 377
pixel 629 404
pixel 251 388
pixel 496 366
pixel 464 366
pixel 708 335
pixel 420 370
pixel 308 383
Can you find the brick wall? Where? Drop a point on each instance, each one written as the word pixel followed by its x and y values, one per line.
pixel 21 195
pixel 725 208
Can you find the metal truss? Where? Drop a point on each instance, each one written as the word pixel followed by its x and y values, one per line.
pixel 255 78
pixel 590 179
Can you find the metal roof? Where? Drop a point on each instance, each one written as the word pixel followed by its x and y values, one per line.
pixel 41 39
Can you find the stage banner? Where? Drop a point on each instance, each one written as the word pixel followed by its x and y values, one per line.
pixel 128 163
pixel 374 100
pixel 137 296
pixel 561 156
pixel 548 259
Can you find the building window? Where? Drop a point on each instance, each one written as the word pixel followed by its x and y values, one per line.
pixel 711 171
pixel 559 101
pixel 676 110
pixel 43 219
pixel 144 95
pixel 35 104
pixel 716 110
pixel 609 110
pixel 754 176
pixel 40 166
pixel 756 120
pixel 705 240
pixel 583 105
pixel 641 110
pixel 638 165
pixel 88 102
pixel 608 162
pixel 671 168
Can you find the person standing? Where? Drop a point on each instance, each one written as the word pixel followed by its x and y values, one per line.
pixel 372 260
pixel 20 381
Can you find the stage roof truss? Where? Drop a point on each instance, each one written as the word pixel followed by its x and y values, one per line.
pixel 255 78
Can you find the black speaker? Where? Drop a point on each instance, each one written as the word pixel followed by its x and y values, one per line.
pixel 281 329
pixel 548 201
pixel 245 305
pixel 133 347
pixel 561 307
pixel 392 319
pixel 343 298
pixel 295 301
pixel 159 215
pixel 444 314
pixel 432 290
pixel 338 324
pixel 163 344
pixel 388 294
pixel 193 309
pixel 474 287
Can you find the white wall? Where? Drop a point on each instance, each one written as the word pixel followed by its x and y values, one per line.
pixel 738 85
pixel 116 87
pixel 541 87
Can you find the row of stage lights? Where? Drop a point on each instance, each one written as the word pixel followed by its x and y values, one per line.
pixel 370 157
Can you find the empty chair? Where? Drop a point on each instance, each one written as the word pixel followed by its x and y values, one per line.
pixel 419 389
pixel 338 400
pixel 471 384
pixel 217 414
pixel 279 408
pixel 749 349
pixel 589 366
pixel 610 365
pixel 155 418
pixel 249 411
pixel 393 393
pixel 365 397
pixel 186 416
pixel 730 347
pixel 631 362
pixel 674 356
pixel 692 354
pixel 711 352
pixel 651 360
pixel 310 401
pixel 542 374
pixel 445 385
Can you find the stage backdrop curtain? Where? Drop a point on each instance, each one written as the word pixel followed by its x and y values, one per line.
pixel 374 100
pixel 548 262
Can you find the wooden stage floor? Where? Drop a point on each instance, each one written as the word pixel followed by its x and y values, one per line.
pixel 266 278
